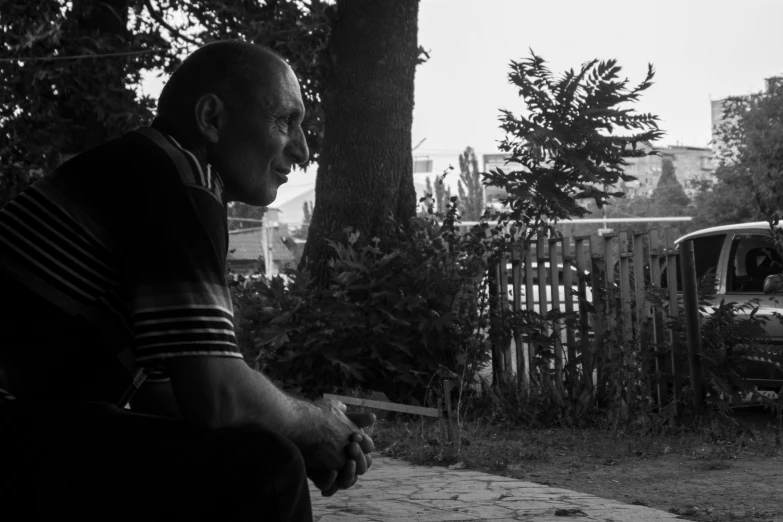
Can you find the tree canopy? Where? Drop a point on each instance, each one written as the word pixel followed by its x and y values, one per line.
pixel 69 79
pixel 572 142
pixel 749 178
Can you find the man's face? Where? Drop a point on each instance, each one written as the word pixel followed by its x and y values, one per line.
pixel 262 140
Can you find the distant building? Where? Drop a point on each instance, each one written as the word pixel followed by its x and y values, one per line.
pixel 646 170
pixel 268 249
pixel 717 106
pixel 690 164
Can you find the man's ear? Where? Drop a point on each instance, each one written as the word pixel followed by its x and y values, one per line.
pixel 210 113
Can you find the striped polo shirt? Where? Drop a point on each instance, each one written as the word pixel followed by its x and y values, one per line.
pixel 125 246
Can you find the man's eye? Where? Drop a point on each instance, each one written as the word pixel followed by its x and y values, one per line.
pixel 287 121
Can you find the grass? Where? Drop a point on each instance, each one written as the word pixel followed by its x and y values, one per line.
pixel 484 445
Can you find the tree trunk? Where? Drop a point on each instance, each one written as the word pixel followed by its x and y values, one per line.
pixel 365 171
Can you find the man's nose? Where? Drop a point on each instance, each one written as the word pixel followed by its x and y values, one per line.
pixel 297 148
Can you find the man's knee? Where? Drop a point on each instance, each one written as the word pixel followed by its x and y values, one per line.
pixel 267 474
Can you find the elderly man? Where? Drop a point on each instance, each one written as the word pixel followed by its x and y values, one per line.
pixel 112 268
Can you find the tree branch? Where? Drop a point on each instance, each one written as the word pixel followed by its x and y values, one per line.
pixel 173 30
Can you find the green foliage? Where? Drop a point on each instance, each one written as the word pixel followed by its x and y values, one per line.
pixel 391 320
pixel 749 178
pixel 573 142
pixel 54 107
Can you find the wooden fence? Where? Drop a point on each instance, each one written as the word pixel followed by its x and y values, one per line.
pixel 596 280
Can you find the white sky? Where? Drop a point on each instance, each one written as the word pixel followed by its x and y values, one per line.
pixel 701 50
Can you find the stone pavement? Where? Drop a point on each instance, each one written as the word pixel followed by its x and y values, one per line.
pixel 395 491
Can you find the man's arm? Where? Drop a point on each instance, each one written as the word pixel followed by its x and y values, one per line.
pixel 156 398
pixel 225 391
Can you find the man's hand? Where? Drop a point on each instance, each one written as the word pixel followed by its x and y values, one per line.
pixel 341 451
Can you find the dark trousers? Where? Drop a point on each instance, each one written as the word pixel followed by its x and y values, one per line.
pixel 78 461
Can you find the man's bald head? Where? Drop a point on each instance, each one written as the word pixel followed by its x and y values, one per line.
pixel 233 70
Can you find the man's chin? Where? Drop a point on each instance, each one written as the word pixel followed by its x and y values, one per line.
pixel 262 200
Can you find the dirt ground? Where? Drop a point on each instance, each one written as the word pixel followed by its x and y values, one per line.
pixel 700 477
pixel 749 487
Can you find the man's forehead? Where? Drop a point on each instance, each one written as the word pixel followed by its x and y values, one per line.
pixel 280 90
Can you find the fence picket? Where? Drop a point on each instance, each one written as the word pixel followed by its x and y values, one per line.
pixel 674 309
pixel 655 260
pixel 522 368
pixel 504 307
pixel 641 322
pixel 584 319
pixel 599 303
pixel 617 269
pixel 625 292
pixel 530 298
pixel 554 285
pixel 568 298
pixel 541 270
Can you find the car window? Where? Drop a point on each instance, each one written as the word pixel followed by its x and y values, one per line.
pixel 707 254
pixel 752 258
pixel 707 250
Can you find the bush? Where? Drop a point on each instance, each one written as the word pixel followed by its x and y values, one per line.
pixel 390 319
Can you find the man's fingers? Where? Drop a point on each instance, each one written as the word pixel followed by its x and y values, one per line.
pixel 365 442
pixel 355 453
pixel 330 491
pixel 324 480
pixel 347 476
pixel 362 420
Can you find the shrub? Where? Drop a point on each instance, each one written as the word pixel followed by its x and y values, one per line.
pixel 390 319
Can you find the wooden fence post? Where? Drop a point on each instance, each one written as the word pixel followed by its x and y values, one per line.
pixel 447 399
pixel 598 276
pixel 530 300
pixel 642 323
pixel 674 311
pixel 495 325
pixel 554 285
pixel 584 319
pixel 625 293
pixel 541 273
pixel 654 259
pixel 690 295
pixel 568 298
pixel 522 369
pixel 504 307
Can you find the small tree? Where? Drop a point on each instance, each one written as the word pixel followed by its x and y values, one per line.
pixel 442 194
pixel 574 141
pixel 669 197
pixel 470 189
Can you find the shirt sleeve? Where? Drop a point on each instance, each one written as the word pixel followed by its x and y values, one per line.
pixel 175 264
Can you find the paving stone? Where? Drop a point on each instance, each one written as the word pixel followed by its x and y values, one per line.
pixel 395 491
